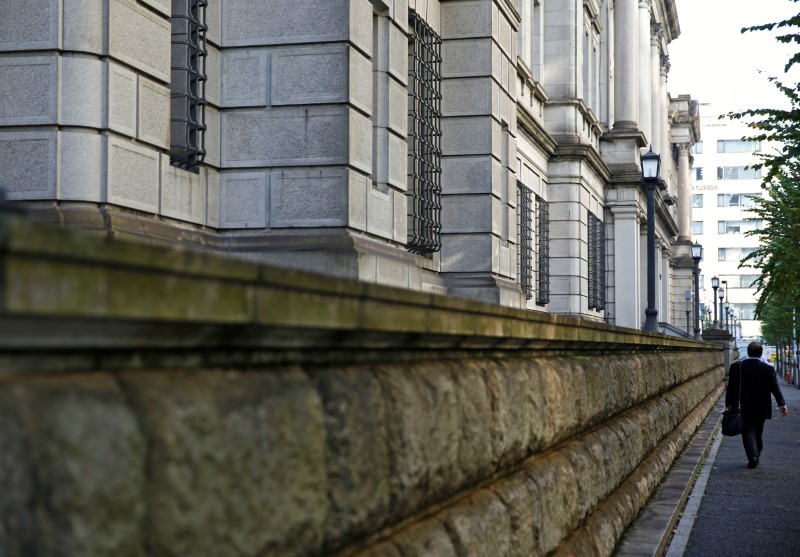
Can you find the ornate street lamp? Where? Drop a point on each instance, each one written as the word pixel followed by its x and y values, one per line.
pixel 697 255
pixel 723 308
pixel 651 163
pixel 715 285
pixel 721 316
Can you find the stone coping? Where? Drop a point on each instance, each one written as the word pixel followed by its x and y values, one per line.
pixel 67 290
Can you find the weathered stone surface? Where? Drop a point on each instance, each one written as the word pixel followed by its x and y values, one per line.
pixel 82 101
pixel 139 37
pixel 121 99
pixel 512 411
pixel 245 77
pixel 518 494
pixel 28 90
pixel 28 164
pixel 308 198
pixel 310 75
pixel 236 462
pixel 29 24
pixel 243 199
pixel 356 456
pixel 479 526
pixel 133 175
pixel 253 22
pixel 476 455
pixel 426 539
pixel 153 120
pixel 81 166
pixel 556 507
pixel 82 445
pixel 183 193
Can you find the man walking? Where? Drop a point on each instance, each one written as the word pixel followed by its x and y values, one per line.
pixel 757 381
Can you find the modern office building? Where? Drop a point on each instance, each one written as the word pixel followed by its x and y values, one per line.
pixel 488 149
pixel 723 189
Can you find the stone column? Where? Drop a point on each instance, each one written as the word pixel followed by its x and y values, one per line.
pixel 626 65
pixel 645 84
pixel 655 89
pixel 663 104
pixel 628 310
pixel 684 194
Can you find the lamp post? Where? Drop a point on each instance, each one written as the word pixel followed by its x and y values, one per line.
pixel 697 255
pixel 721 295
pixel 715 285
pixel 688 295
pixel 651 163
pixel 708 315
pixel 723 308
pixel 734 329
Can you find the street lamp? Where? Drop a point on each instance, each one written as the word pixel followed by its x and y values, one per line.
pixel 723 308
pixel 697 255
pixel 651 163
pixel 734 328
pixel 715 285
pixel 688 295
pixel 721 316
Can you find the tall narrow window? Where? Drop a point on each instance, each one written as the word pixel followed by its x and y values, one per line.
pixel 425 152
pixel 188 86
pixel 525 240
pixel 597 263
pixel 542 252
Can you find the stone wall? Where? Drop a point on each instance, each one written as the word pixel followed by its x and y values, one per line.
pixel 159 402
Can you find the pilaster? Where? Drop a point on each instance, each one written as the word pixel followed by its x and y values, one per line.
pixel 626 65
pixel 646 96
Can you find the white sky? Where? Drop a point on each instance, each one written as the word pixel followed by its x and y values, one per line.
pixel 715 63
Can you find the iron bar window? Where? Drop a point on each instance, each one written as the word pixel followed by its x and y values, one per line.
pixel 188 86
pixel 542 252
pixel 597 263
pixel 425 152
pixel 525 240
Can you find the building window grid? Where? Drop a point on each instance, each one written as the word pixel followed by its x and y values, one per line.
pixel 525 240
pixel 188 91
pixel 597 258
pixel 542 252
pixel 425 137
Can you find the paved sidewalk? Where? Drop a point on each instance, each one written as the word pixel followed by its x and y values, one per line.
pixel 753 512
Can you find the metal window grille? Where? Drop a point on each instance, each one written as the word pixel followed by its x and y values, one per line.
pixel 188 87
pixel 542 252
pixel 525 240
pixel 425 153
pixel 597 263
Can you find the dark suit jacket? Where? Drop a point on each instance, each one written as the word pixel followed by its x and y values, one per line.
pixel 758 381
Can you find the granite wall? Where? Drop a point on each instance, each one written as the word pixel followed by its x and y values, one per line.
pixel 157 402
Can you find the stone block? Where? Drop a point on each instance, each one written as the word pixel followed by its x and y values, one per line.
pixel 467 136
pixel 464 20
pixel 81 174
pixel 28 90
pixel 467 58
pixel 505 36
pixel 392 272
pixel 220 447
pixel 398 108
pixel 380 220
pixel 153 113
pixel 476 457
pixel 133 175
pixel 268 22
pixel 361 23
pixel 308 198
pixel 360 81
pixel 467 96
pixel 28 164
pixel 82 84
pixel 83 26
pixel 163 6
pixel 313 135
pixel 243 199
pixel 140 38
pixel 212 200
pixel 358 185
pixel 360 141
pixel 430 10
pixel 310 75
pixel 213 73
pixel 469 253
pixel 245 78
pixel 467 174
pixel 398 162
pixel 398 52
pixel 29 25
pixel 400 213
pixel 518 494
pixel 212 139
pixel 183 193
pixel 214 22
pixel 480 525
pixel 122 101
pixel 400 14
pixel 467 213
pixel 87 455
pixel 427 538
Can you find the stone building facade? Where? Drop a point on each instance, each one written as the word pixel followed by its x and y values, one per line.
pixel 487 149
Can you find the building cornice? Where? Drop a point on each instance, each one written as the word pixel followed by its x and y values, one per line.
pixel 534 132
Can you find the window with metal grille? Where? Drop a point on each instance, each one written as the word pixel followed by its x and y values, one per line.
pixel 597 263
pixel 188 86
pixel 525 240
pixel 424 126
pixel 542 252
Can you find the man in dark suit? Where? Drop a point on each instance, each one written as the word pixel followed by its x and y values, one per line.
pixel 757 381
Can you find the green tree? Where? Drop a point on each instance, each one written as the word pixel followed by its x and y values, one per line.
pixel 778 257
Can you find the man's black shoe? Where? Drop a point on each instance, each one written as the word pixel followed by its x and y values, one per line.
pixel 752 463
